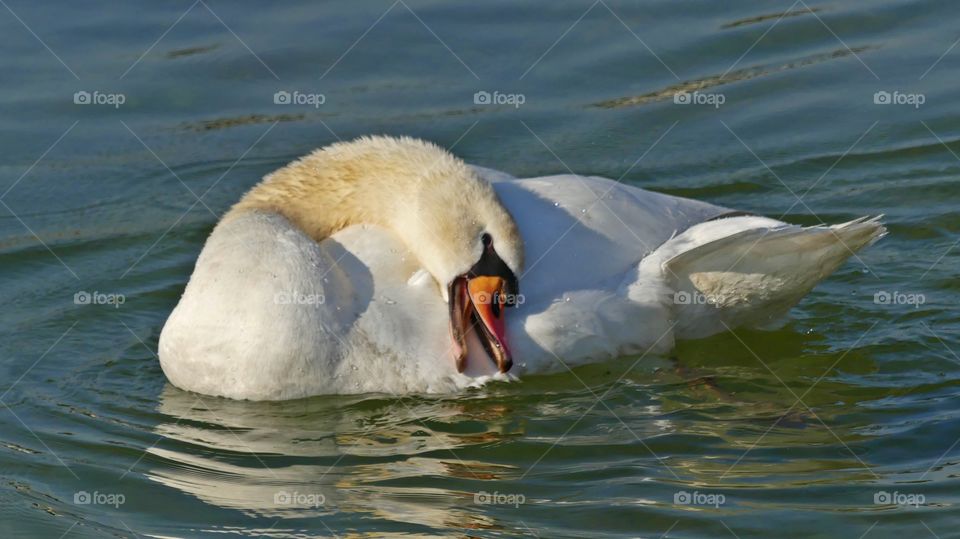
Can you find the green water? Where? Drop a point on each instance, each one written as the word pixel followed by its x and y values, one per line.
pixel 794 432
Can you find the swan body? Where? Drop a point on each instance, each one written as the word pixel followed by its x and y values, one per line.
pixel 285 305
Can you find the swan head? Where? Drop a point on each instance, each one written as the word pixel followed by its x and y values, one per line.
pixel 467 240
pixel 478 299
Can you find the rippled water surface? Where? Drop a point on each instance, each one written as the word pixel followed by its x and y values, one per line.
pixel 843 423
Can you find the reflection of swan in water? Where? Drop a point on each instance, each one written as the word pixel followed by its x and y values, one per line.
pixel 298 459
pixel 413 461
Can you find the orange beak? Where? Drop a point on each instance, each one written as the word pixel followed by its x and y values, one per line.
pixel 480 302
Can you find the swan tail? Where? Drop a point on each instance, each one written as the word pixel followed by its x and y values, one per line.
pixel 749 271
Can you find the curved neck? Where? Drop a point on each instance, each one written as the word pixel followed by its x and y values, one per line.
pixel 319 208
pixel 431 200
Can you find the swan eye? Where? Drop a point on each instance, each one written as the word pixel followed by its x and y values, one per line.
pixel 486 239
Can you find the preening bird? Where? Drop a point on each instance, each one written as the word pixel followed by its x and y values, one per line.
pixel 389 265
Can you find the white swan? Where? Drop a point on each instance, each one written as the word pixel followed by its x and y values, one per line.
pixel 388 265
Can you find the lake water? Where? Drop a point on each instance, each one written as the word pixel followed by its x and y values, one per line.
pixel 844 423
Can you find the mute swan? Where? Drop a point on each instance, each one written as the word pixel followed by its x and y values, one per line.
pixel 389 265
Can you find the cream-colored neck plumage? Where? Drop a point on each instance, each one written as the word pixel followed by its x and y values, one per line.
pixel 432 200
